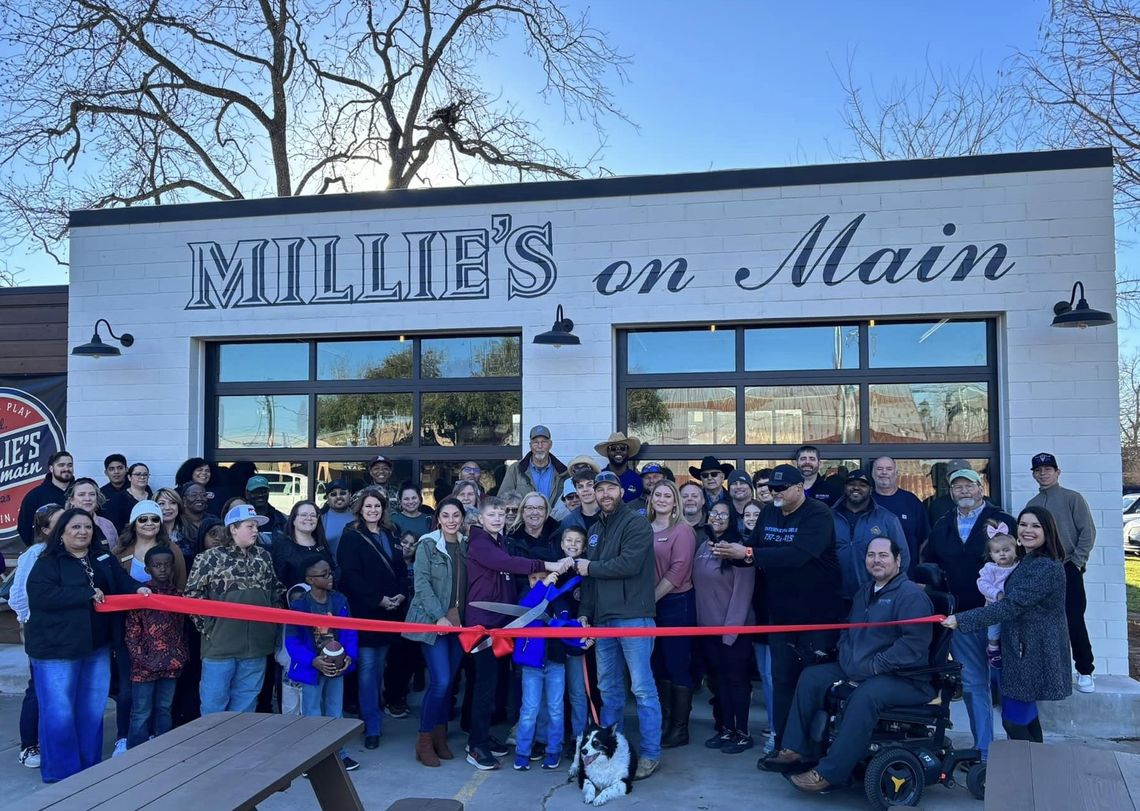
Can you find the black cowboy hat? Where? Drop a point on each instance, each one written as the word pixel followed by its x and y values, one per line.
pixel 711 463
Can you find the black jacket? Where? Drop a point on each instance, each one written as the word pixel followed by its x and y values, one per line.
pixel 117 510
pixel 961 562
pixel 367 574
pixel 45 493
pixel 797 554
pixel 287 557
pixel 63 622
pixel 621 578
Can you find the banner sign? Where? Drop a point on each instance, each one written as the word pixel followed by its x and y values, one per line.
pixel 32 411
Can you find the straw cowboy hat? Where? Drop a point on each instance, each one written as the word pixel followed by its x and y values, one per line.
pixel 618 438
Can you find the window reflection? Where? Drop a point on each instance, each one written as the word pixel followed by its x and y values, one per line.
pixel 931 343
pixel 238 363
pixel 263 421
pixel 471 418
pixel 691 350
pixel 930 412
pixel 694 416
pixel 771 349
pixel 792 415
pixel 438 478
pixel 471 357
pixel 288 483
pixel 371 420
pixel 364 360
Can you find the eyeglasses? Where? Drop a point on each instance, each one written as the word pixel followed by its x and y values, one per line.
pixel 534 508
pixel 320 575
pixel 140 475
pixel 710 474
pixel 148 519
pixel 718 516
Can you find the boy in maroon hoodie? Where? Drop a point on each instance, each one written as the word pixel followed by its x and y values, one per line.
pixel 157 644
pixel 489 579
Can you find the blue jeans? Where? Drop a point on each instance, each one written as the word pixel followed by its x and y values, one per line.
pixel 370 675
pixel 443 658
pixel 541 685
pixel 150 698
pixel 72 694
pixel 764 667
pixel 969 650
pixel 231 685
pixel 29 716
pixel 674 654
pixel 635 651
pixel 576 692
pixel 325 698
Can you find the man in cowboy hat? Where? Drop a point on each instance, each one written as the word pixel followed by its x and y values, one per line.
pixel 619 449
pixel 711 474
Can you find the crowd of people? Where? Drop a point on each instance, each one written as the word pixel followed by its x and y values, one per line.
pixel 608 545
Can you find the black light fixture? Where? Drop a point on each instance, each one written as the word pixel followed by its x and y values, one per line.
pixel 95 348
pixel 561 334
pixel 1080 315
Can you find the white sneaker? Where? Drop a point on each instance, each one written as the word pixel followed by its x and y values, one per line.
pixel 30 757
pixel 1085 684
pixel 120 747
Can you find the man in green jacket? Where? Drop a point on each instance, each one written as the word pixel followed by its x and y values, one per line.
pixel 617 592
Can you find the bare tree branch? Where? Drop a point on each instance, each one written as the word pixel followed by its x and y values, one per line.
pixel 131 102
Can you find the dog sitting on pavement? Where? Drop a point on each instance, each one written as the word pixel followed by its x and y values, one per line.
pixel 603 765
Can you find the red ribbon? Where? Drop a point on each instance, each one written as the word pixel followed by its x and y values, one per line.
pixel 469 637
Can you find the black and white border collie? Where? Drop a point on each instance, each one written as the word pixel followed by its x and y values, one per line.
pixel 603 764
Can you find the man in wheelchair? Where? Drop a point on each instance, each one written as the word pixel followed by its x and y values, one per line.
pixel 869 662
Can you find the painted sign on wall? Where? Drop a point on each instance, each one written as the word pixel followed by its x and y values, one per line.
pixel 31 413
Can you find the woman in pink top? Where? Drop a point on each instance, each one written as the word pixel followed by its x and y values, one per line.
pixel 673 545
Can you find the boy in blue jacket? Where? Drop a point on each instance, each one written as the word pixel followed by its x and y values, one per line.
pixel 314 659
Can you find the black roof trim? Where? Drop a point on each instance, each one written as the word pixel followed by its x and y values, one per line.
pixel 632 186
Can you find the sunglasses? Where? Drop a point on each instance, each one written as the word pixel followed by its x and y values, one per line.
pixel 711 474
pixel 471 469
pixel 778 488
pixel 619 448
pixel 148 519
pixel 718 516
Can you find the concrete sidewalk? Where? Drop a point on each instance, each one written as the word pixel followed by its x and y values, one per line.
pixel 691 777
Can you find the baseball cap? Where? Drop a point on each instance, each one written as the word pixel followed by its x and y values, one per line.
pixel 859 475
pixel 784 476
pixel 967 473
pixel 256 483
pixel 1044 460
pixel 739 476
pixel 244 512
pixel 337 484
pixel 377 459
pixel 145 507
pixel 956 464
pixel 568 489
pixel 539 430
pixel 607 477
pixel 653 467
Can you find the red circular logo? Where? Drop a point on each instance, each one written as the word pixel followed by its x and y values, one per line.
pixel 29 435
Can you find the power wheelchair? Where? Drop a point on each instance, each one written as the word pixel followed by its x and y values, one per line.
pixel 909 748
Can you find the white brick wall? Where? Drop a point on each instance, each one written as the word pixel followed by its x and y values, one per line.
pixel 1058 388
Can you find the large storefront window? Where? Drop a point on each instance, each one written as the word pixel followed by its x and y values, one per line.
pixel 430 403
pixel 923 392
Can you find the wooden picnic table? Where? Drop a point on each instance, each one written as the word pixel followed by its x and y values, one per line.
pixel 226 760
pixel 1024 776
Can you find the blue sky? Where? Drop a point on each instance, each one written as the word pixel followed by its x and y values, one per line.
pixel 716 85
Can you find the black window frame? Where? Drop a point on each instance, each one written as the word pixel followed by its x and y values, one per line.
pixel 864 376
pixel 311 455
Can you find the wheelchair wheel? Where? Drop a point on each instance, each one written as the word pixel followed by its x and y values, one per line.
pixel 976 781
pixel 894 777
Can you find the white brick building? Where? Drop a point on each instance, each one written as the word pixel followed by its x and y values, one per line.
pixel 938 347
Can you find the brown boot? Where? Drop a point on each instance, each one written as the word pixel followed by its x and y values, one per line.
pixel 439 742
pixel 425 754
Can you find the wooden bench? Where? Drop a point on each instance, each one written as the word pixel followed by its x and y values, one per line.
pixel 1023 776
pixel 227 760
